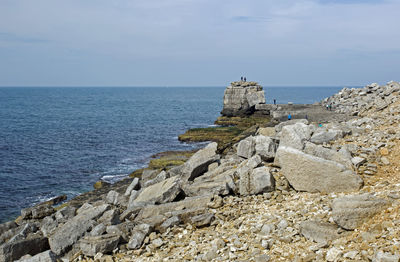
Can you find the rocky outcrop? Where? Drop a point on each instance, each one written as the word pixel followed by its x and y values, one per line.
pixel 241 98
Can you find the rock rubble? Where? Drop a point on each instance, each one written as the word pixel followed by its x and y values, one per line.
pixel 303 192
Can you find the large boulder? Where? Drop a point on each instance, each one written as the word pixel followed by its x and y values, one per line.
pixel 198 164
pixel 138 235
pixel 328 154
pixel 67 234
pixel 349 212
pixel 38 211
pixel 295 135
pixel 91 245
pixel 14 250
pixel 314 174
pixel 222 184
pixel 265 147
pixel 321 136
pixel 240 98
pixel 258 180
pixel 246 147
pixel 162 192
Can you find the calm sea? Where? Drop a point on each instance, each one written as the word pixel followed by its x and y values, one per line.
pixel 57 141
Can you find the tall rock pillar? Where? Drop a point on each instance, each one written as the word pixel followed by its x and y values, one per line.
pixel 241 98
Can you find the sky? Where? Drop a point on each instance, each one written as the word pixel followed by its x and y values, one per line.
pixel 198 42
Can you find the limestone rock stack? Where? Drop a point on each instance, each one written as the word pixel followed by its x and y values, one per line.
pixel 241 98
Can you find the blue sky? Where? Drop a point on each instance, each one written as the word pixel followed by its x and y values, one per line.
pixel 198 42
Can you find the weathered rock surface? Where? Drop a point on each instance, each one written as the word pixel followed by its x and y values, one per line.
pixel 314 174
pixel 66 235
pixel 349 212
pixel 246 147
pixel 162 192
pixel 295 135
pixel 91 245
pixel 198 164
pixel 259 180
pixel 265 147
pixel 46 256
pixel 138 235
pixel 320 232
pixel 240 98
pixel 13 250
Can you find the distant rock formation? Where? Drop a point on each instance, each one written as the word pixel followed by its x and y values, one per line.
pixel 241 98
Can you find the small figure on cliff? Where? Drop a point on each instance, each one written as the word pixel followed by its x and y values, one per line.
pixel 274 101
pixel 327 107
pixel 244 79
pixel 330 107
pixel 241 78
pixel 306 117
pixel 289 117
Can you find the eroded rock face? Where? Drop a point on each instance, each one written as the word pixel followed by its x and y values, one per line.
pixel 13 250
pixel 314 174
pixel 240 98
pixel 67 235
pixel 91 245
pixel 349 212
pixel 198 164
pixel 162 192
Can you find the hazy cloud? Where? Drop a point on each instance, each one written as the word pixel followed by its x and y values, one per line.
pixel 179 42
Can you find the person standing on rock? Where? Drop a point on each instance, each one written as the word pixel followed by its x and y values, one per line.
pixel 289 117
pixel 244 79
pixel 274 101
pixel 241 78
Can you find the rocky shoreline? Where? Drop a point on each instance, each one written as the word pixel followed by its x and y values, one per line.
pixel 325 188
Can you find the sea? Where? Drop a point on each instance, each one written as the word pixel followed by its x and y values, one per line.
pixel 61 140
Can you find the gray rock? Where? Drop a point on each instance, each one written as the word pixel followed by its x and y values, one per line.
pixel 385 257
pixel 259 180
pixel 313 174
pixel 295 135
pixel 320 232
pixel 170 222
pixel 48 226
pixel 91 245
pixel 148 175
pixel 321 136
pixel 265 147
pixel 132 197
pixel 67 235
pixel 98 230
pixel 7 226
pixel 46 256
pixel 198 164
pixel 201 220
pixel 16 249
pixel 222 184
pixel 112 197
pixel 23 231
pixel 159 178
pixel 37 212
pixel 278 128
pixel 162 192
pixel 163 210
pixel 349 212
pixel 240 98
pixel 83 208
pixel 133 186
pixel 110 217
pixel 358 161
pixel 65 213
pixel 328 154
pixel 246 147
pixel 138 235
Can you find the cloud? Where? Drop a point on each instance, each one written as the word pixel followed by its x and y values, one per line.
pixel 130 40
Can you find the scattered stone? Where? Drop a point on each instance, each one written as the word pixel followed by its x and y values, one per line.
pixel 258 181
pixel 349 212
pixel 133 186
pixel 320 232
pixel 246 147
pixel 14 250
pixel 138 235
pixel 385 257
pixel 162 192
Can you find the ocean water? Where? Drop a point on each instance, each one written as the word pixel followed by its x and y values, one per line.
pixel 57 140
